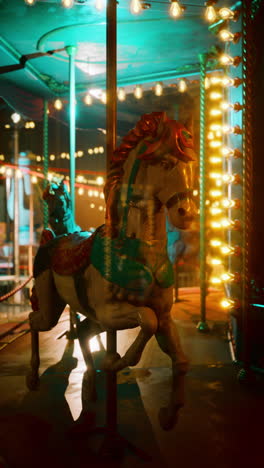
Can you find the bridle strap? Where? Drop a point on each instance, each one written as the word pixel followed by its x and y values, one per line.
pixel 176 197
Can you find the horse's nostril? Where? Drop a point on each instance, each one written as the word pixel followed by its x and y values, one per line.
pixel 182 211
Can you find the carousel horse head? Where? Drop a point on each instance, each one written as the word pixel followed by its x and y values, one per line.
pixel 160 153
pixel 60 208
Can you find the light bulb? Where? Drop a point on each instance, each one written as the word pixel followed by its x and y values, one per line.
pixel 138 93
pixel 215 79
pixel 158 89
pixel 121 94
pixel 135 7
pixel 215 96
pixel 58 104
pixel 227 60
pixel 227 14
pixel 215 160
pixel 210 14
pixel 175 9
pixel 88 99
pixel 215 144
pixel 215 112
pixel 215 243
pixel 99 180
pixel 30 2
pixel 182 86
pixel 228 36
pixel 67 3
pixel 226 249
pixel 16 117
pixel 215 193
pixel 215 280
pixel 99 4
pixel 215 211
pixel 34 179
pixel 215 261
pixel 227 303
pixel 215 175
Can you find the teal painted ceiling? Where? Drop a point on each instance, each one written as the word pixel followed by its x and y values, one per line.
pixel 151 46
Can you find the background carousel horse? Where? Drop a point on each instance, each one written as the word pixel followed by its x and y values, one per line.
pixel 121 277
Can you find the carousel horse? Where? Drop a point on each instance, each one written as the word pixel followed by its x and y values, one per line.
pixel 121 276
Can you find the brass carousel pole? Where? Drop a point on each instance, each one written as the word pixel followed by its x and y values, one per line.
pixel 111 66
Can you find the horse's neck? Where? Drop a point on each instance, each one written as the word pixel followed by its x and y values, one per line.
pixel 141 215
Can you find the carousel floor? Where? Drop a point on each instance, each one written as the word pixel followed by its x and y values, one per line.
pixel 221 424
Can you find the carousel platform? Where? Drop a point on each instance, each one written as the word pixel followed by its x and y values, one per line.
pixel 221 424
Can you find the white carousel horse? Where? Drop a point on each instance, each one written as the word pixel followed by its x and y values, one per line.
pixel 121 276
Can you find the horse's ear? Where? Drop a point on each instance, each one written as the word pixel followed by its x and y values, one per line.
pixel 189 124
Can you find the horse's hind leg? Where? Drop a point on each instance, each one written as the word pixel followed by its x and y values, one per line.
pixel 169 341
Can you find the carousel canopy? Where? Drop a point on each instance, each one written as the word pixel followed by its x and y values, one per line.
pixel 152 47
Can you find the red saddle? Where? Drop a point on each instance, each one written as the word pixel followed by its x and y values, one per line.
pixel 72 253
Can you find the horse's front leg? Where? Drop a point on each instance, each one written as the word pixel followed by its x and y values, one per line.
pixel 169 341
pixel 32 378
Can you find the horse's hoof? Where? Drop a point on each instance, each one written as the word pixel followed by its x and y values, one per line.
pixel 109 361
pixel 168 418
pixel 32 381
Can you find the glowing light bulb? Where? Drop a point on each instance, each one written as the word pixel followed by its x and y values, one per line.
pixel 226 249
pixel 182 86
pixel 215 280
pixel 215 193
pixel 227 303
pixel 121 94
pixel 135 7
pixel 227 60
pixel 207 82
pixel 158 89
pixel 30 2
pixel 216 225
pixel 92 205
pixel 215 79
pixel 101 149
pixel 58 104
pixel 215 175
pixel 227 129
pixel 216 261
pixel 214 127
pixel 96 193
pixel 175 9
pixel 16 117
pixel 80 191
pixel 215 243
pixel 228 36
pixel 88 99
pixel 226 13
pixel 100 208
pixel 215 96
pixel 34 179
pixel 90 193
pixel 67 3
pixel 210 13
pixel 52 157
pixel 228 105
pixel 215 143
pixel 99 180
pixel 215 211
pixel 215 112
pixel 215 160
pixel 102 195
pixel 99 5
pixel 96 150
pixel 138 93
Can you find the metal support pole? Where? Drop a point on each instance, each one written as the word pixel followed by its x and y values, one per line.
pixel 16 208
pixel 71 51
pixel 45 160
pixel 111 58
pixel 202 325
